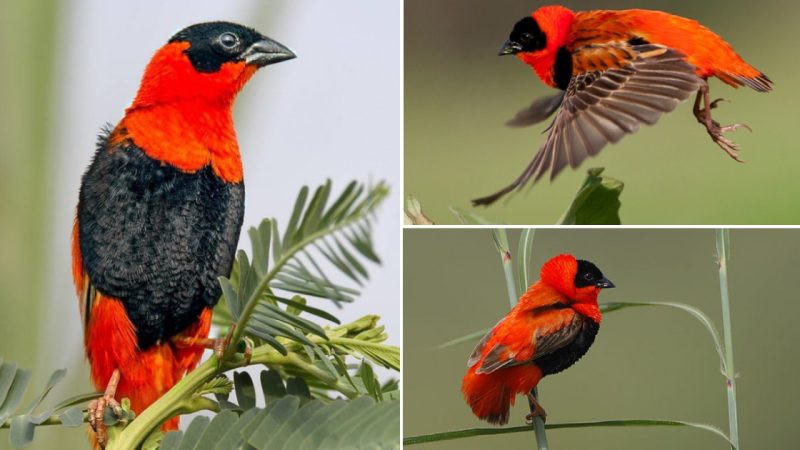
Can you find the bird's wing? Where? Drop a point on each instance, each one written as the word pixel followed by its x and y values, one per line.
pixel 613 90
pixel 539 110
pixel 477 352
pixel 85 289
pixel 522 340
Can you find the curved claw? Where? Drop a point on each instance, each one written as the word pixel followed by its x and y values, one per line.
pixel 714 129
pixel 715 103
pixel 537 410
pixel 734 127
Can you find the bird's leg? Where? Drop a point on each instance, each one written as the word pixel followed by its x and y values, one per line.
pixel 538 411
pixel 97 407
pixel 715 130
pixel 218 345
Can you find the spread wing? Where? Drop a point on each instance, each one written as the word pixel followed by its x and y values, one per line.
pixel 539 110
pixel 615 88
pixel 522 340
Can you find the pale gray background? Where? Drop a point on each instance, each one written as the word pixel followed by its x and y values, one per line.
pixel 334 112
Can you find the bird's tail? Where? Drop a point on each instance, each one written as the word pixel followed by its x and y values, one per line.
pixel 488 396
pixel 756 81
pixel 147 378
pixel 144 375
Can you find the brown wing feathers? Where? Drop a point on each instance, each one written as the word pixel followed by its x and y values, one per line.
pixel 602 106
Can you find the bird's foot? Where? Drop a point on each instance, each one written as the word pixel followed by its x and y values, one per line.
pixel 536 410
pixel 218 345
pixel 244 346
pixel 97 408
pixel 714 129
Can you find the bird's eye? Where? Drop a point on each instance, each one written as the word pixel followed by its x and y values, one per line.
pixel 525 38
pixel 229 40
pixel 588 277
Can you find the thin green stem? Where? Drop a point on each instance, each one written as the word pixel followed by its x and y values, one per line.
pixel 135 433
pixel 723 255
pixel 459 434
pixel 501 241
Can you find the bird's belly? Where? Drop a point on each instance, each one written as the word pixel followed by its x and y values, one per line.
pixel 157 238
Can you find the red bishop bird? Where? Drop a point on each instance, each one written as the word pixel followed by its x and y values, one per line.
pixel 616 71
pixel 159 215
pixel 550 329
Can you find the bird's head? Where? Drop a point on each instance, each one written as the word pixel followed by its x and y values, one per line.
pixel 577 279
pixel 535 39
pixel 207 61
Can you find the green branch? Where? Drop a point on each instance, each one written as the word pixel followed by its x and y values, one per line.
pixel 182 398
pixel 501 242
pixel 471 432
pixel 723 255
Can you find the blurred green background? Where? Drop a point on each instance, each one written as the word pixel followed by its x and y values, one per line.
pixel 646 362
pixel 458 94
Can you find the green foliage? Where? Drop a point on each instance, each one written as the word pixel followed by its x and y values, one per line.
pixel 13 384
pixel 339 232
pixel 597 201
pixel 293 422
pixel 292 419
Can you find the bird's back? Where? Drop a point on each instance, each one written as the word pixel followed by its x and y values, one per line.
pixel 703 48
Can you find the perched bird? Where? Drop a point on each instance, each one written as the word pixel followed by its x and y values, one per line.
pixel 616 71
pixel 551 327
pixel 159 215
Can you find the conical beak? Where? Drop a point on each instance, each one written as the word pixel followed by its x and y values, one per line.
pixel 266 52
pixel 605 283
pixel 509 48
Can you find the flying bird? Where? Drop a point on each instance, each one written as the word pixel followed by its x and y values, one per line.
pixel 550 329
pixel 159 214
pixel 617 70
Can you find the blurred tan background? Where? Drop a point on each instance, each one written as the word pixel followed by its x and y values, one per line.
pixel 459 93
pixel 68 67
pixel 646 362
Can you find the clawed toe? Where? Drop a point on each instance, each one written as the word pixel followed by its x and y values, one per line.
pixel 715 130
pixel 536 410
pixel 734 127
pixel 715 103
pixel 529 417
pixel 96 411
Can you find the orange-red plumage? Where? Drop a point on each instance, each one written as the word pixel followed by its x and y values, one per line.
pixel 703 48
pixel 184 117
pixel 549 329
pixel 617 70
pixel 159 216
